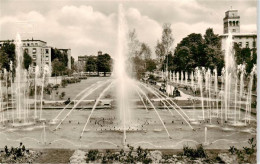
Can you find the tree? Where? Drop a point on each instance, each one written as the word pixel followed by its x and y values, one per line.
pixel 58 67
pixel 195 51
pixel 184 58
pixel 211 38
pixel 91 64
pixel 164 46
pixel 104 63
pixel 145 51
pixel 27 60
pixel 7 54
pixel 159 51
pixel 138 67
pixel 167 37
pixel 133 44
pixel 245 56
pixel 60 55
pixel 150 65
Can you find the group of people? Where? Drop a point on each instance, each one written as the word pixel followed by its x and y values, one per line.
pixel 175 93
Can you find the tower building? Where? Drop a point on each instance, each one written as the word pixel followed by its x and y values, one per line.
pixel 231 22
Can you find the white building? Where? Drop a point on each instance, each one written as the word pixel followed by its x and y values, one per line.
pixel 39 51
pixel 231 23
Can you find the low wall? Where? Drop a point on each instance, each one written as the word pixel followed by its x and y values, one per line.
pixel 55 80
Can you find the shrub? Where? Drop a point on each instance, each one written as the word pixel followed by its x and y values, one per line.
pixel 16 152
pixel 62 95
pixel 232 149
pixel 199 152
pixel 92 155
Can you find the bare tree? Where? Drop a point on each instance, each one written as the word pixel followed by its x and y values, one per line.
pixel 167 38
pixel 133 44
pixel 160 51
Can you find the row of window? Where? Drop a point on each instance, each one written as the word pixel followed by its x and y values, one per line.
pixel 34 63
pixel 30 44
pixel 247 44
pixel 34 50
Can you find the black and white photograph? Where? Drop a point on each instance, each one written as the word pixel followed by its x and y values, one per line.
pixel 128 81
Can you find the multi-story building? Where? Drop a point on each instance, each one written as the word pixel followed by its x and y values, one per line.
pixel 39 51
pixel 82 59
pixel 231 24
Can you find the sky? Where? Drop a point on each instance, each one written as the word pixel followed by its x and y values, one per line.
pixel 87 26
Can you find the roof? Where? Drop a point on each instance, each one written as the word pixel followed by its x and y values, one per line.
pixel 22 40
pixel 231 10
pixel 240 34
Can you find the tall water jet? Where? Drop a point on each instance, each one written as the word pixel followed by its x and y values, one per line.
pixel 216 88
pixel 46 72
pixel 121 71
pixel 230 72
pixel 36 74
pixel 178 76
pixel 20 80
pixel 200 81
pixel 249 95
pixel 241 89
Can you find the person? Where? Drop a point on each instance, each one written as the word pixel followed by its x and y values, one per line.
pixel 67 101
pixel 176 92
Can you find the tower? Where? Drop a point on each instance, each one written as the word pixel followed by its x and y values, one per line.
pixel 231 22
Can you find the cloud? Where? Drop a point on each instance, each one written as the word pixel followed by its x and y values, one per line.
pixel 89 26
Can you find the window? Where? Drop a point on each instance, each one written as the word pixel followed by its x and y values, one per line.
pixel 31 44
pixel 36 44
pixel 34 56
pixel 247 44
pixel 28 44
pixel 34 50
pixel 240 44
pixel 234 30
pixel 47 63
pixel 254 44
pixel 24 44
pixel 46 51
pixel 34 64
pixel 26 50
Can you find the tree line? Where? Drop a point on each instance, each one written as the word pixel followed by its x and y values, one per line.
pixel 100 63
pixel 196 50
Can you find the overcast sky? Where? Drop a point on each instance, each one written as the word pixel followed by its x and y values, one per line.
pixel 89 26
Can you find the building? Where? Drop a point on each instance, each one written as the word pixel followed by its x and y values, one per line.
pixel 68 52
pixel 99 52
pixel 39 51
pixel 82 59
pixel 231 24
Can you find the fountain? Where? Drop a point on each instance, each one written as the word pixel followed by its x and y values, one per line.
pixel 145 114
pixel 20 82
pixel 122 76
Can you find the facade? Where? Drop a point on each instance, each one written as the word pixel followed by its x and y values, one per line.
pixel 39 51
pixel 82 59
pixel 231 24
